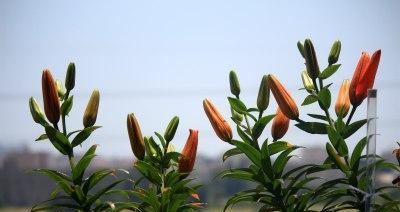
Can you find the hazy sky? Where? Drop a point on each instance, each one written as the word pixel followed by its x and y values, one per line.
pixel 161 58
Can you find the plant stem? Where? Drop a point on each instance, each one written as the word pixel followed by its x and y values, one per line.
pixel 325 110
pixel 353 110
pixel 63 116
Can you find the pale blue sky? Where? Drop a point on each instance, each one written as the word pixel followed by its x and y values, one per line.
pixel 161 58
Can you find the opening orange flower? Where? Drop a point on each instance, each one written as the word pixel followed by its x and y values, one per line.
pixel 364 77
pixel 186 162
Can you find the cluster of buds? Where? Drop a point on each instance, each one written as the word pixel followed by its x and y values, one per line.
pixel 139 147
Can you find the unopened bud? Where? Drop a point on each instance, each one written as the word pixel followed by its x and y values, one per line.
pixel 60 88
pixel 70 77
pixel 311 59
pixel 263 94
pixel 335 52
pixel 301 48
pixel 186 162
pixel 135 137
pixel 90 116
pixel 307 81
pixel 234 83
pixel 50 97
pixel 171 129
pixel 236 116
pixel 36 112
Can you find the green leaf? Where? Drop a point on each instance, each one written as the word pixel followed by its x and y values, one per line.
pixel 317 116
pixel 161 138
pixel 80 167
pixel 67 106
pixel 355 157
pixel 238 173
pixel 59 141
pixel 312 127
pixel 96 196
pixel 150 172
pixel 95 178
pixel 260 125
pixel 329 71
pixel 231 152
pixel 83 135
pixel 41 137
pixel 353 127
pixel 61 179
pixel 281 161
pixel 249 151
pixel 309 100
pixel 73 132
pixel 266 159
pixel 338 142
pixel 324 98
pixel 243 135
pixel 237 105
pixel 278 146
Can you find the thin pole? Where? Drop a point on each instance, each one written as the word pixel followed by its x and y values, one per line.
pixel 371 149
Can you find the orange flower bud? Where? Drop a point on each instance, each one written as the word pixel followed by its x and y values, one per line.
pixel 221 127
pixel 186 162
pixel 342 105
pixel 50 97
pixel 283 98
pixel 364 77
pixel 280 125
pixel 135 137
pixel 92 108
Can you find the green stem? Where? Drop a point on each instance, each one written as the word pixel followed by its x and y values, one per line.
pixel 71 162
pixel 325 110
pixel 353 110
pixel 63 116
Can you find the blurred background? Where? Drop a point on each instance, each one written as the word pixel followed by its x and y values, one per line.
pixel 162 58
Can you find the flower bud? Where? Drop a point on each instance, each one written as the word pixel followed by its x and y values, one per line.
pixel 263 94
pixel 307 81
pixel 186 161
pixel 364 77
pixel 50 97
pixel 149 149
pixel 280 125
pixel 234 83
pixel 60 88
pixel 221 127
pixel 285 101
pixel 90 116
pixel 236 116
pixel 170 148
pixel 311 59
pixel 135 137
pixel 36 112
pixel 70 77
pixel 171 129
pixel 301 48
pixel 335 52
pixel 342 105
